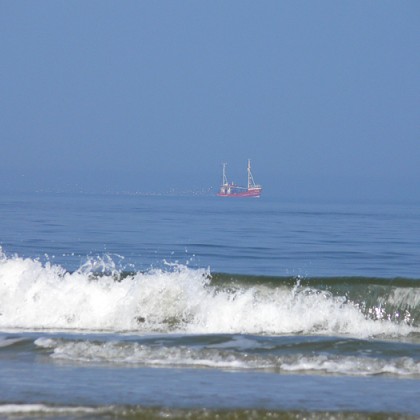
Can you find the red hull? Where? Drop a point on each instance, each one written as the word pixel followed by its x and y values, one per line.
pixel 249 193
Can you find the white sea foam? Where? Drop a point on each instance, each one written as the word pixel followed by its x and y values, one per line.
pixel 184 356
pixel 15 409
pixel 44 296
pixel 351 365
pixel 138 354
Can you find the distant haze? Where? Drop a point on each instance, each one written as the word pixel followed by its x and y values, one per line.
pixel 323 97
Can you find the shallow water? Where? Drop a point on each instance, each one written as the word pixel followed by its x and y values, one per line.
pixel 120 305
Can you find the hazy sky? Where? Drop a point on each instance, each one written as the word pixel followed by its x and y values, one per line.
pixel 323 96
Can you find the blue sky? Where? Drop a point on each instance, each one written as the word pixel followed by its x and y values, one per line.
pixel 324 97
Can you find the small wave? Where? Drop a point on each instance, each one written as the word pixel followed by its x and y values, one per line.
pixel 307 361
pixel 34 411
pixel 10 341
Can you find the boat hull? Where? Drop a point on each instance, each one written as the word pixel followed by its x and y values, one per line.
pixel 230 189
pixel 256 193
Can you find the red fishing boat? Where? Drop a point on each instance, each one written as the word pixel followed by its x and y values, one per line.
pixel 232 190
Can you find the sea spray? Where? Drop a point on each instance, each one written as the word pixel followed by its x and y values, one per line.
pixel 177 298
pixel 44 296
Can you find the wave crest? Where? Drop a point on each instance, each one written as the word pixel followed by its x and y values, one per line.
pixel 178 298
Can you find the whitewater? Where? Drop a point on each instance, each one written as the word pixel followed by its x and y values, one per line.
pixel 174 306
pixel 184 300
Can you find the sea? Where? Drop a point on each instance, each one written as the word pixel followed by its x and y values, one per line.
pixel 193 306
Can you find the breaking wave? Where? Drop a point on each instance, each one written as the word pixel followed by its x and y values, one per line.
pixel 177 298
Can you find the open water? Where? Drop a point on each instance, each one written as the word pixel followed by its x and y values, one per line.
pixel 202 307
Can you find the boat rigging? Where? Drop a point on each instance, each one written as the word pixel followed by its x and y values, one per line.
pixel 232 190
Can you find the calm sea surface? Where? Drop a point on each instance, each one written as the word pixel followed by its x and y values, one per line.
pixel 205 307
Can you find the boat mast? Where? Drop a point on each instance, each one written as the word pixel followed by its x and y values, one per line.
pixel 225 181
pixel 251 182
